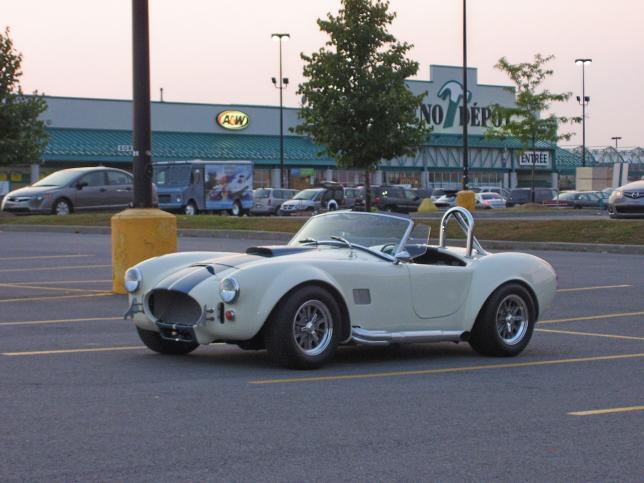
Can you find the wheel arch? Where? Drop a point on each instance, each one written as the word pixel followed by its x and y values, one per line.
pixel 335 293
pixel 516 281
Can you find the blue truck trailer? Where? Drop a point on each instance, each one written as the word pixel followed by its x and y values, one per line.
pixel 199 186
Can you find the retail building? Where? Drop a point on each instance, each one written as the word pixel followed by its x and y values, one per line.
pixel 98 131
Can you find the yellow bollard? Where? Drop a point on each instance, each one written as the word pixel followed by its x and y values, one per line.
pixel 139 234
pixel 426 206
pixel 466 199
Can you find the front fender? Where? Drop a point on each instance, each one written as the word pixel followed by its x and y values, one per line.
pixel 268 284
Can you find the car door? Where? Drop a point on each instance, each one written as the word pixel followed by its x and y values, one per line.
pixel 90 191
pixel 119 189
pixel 438 291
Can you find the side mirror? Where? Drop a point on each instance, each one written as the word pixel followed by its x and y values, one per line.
pixel 402 256
pixel 81 184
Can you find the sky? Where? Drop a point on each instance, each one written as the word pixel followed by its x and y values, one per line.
pixel 211 51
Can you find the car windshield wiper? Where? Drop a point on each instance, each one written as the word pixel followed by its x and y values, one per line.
pixel 343 240
pixel 308 240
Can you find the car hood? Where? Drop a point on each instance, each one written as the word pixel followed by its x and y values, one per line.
pixel 187 278
pixel 32 191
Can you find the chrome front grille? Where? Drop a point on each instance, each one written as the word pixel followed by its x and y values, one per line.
pixel 172 307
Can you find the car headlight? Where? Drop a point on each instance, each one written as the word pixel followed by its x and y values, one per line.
pixel 229 290
pixel 618 194
pixel 133 279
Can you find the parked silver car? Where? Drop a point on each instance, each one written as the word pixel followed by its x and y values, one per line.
pixel 73 189
pixel 267 201
pixel 627 201
pixel 489 200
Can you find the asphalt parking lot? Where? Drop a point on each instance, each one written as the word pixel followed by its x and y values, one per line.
pixel 82 400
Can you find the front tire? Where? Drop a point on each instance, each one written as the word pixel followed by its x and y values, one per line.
pixel 62 207
pixel 505 324
pixel 155 342
pixel 236 210
pixel 190 209
pixel 304 329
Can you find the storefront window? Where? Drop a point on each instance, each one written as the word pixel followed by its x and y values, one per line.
pixel 261 178
pixel 411 178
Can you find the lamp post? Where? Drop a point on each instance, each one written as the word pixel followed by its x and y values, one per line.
pixel 465 113
pixel 141 137
pixel 616 138
pixel 583 100
pixel 281 85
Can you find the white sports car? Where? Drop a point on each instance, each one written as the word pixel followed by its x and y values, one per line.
pixel 344 278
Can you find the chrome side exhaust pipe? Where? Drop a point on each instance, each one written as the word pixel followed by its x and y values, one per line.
pixel 384 338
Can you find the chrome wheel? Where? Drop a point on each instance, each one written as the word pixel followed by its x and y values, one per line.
pixel 313 327
pixel 512 319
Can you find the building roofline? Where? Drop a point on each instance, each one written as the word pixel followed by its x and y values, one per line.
pixel 167 102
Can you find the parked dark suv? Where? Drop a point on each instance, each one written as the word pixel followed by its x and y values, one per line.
pixel 520 196
pixel 393 198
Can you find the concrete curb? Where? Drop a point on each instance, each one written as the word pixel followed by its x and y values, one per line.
pixel 282 237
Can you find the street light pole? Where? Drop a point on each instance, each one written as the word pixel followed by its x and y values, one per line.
pixel 141 137
pixel 616 138
pixel 584 100
pixel 465 117
pixel 281 85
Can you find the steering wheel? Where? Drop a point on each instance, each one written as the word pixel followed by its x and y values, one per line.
pixel 388 248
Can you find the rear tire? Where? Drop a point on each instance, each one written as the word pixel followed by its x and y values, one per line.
pixel 505 324
pixel 304 329
pixel 154 342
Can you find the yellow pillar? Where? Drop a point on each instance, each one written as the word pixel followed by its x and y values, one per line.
pixel 466 199
pixel 139 234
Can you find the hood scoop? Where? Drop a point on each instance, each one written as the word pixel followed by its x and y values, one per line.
pixel 276 250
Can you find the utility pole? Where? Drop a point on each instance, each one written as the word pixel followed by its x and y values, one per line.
pixel 141 137
pixel 465 113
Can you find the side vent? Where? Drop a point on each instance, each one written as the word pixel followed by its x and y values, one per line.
pixel 361 296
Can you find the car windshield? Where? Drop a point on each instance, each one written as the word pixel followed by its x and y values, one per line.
pixel 59 178
pixel 261 193
pixel 171 175
pixel 306 194
pixel 378 232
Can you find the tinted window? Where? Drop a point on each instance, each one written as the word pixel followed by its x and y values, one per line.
pixel 116 177
pixel 97 178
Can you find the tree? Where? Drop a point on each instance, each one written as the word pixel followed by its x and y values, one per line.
pixel 525 119
pixel 22 135
pixel 355 101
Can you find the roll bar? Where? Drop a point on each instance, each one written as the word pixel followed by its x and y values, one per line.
pixel 466 221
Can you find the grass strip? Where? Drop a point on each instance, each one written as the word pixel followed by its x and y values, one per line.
pixel 626 232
